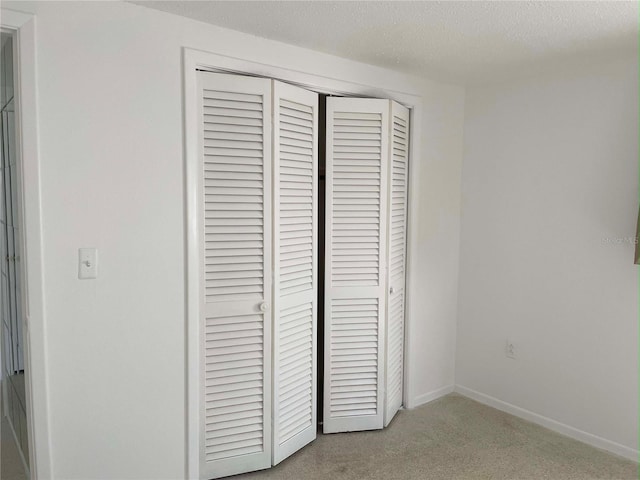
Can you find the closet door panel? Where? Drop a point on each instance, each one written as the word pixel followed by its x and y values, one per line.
pixel 355 278
pixel 295 113
pixel 397 241
pixel 235 228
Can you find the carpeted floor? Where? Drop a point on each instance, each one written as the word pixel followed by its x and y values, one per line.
pixel 11 467
pixel 453 438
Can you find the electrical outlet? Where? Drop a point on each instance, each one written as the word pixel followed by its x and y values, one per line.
pixel 510 349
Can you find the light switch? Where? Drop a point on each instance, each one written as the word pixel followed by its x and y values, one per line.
pixel 87 263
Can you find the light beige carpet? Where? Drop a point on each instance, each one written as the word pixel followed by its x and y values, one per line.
pixel 451 438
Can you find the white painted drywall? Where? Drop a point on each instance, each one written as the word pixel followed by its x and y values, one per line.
pixel 550 201
pixel 433 279
pixel 112 177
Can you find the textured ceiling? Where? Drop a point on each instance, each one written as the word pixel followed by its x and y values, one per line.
pixel 458 41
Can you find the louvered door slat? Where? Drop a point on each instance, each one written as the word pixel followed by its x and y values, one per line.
pixel 354 355
pixel 356 202
pixel 295 250
pixel 235 229
pixel 398 176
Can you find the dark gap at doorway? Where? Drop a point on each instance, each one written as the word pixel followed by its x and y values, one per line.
pixel 322 122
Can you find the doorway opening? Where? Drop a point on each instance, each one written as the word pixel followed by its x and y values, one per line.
pixel 14 396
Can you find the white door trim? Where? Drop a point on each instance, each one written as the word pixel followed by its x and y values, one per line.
pixel 30 218
pixel 193 60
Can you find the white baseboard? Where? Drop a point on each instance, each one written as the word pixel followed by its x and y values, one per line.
pixel 554 425
pixel 430 396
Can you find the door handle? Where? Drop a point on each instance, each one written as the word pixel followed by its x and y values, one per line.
pixel 392 290
pixel 264 307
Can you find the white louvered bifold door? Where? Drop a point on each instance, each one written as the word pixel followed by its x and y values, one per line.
pixel 397 242
pixel 235 228
pixel 295 114
pixel 355 278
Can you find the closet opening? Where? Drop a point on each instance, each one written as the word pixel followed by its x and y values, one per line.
pixel 297 204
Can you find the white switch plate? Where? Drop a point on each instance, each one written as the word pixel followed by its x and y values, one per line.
pixel 87 263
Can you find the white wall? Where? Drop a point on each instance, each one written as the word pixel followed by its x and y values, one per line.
pixel 434 276
pixel 550 201
pixel 111 148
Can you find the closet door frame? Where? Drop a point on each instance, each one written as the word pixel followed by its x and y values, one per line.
pixel 303 76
